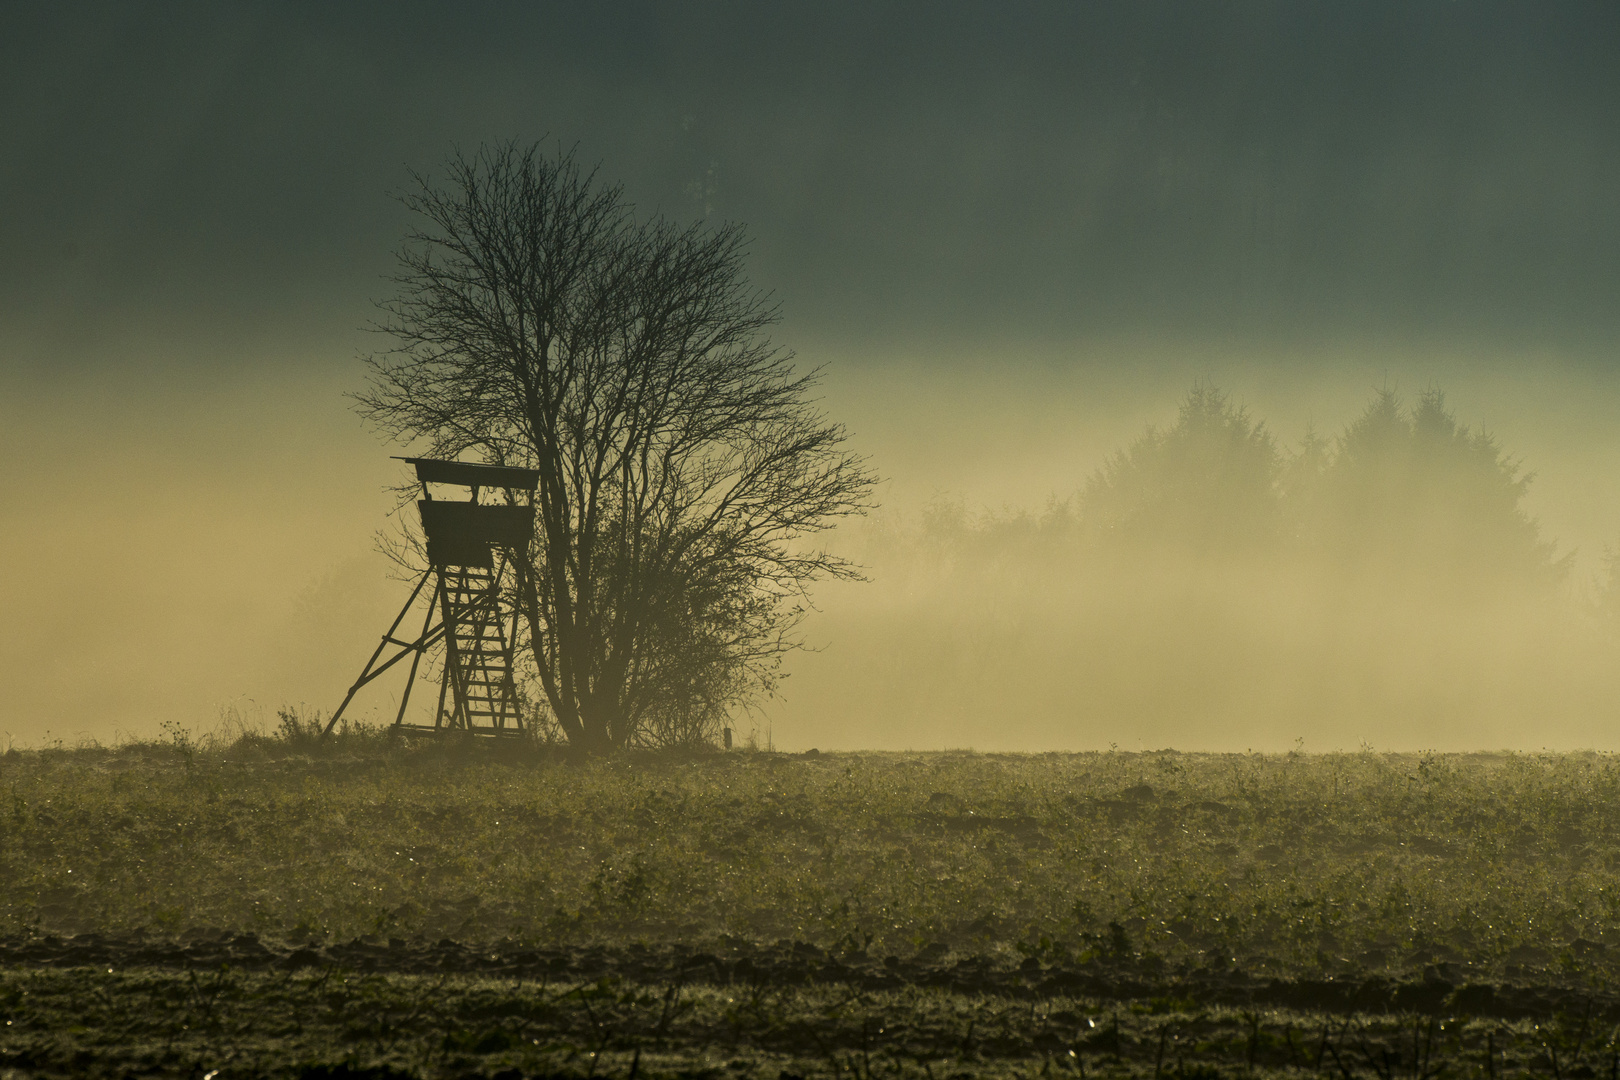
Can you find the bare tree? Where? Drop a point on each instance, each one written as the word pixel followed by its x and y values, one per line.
pixel 684 467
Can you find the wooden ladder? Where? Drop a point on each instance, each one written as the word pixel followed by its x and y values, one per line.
pixel 478 654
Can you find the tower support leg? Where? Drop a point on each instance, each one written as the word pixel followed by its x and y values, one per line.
pixel 373 669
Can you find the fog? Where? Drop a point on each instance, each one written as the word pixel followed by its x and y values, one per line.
pixel 1011 243
pixel 229 566
pixel 986 626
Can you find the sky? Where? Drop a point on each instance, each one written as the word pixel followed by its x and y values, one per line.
pixel 1012 235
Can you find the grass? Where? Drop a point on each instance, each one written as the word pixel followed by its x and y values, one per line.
pixel 1288 864
pixel 1164 869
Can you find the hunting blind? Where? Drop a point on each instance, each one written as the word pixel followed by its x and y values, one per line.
pixel 470 550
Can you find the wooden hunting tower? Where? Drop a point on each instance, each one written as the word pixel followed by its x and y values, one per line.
pixel 470 549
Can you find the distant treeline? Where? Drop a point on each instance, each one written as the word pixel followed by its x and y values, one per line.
pixel 1208 585
pixel 1406 491
pixel 1404 495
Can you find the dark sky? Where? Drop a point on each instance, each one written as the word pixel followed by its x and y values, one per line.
pixel 1270 170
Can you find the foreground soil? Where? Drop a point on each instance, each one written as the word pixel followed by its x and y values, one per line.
pixel 234 1006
